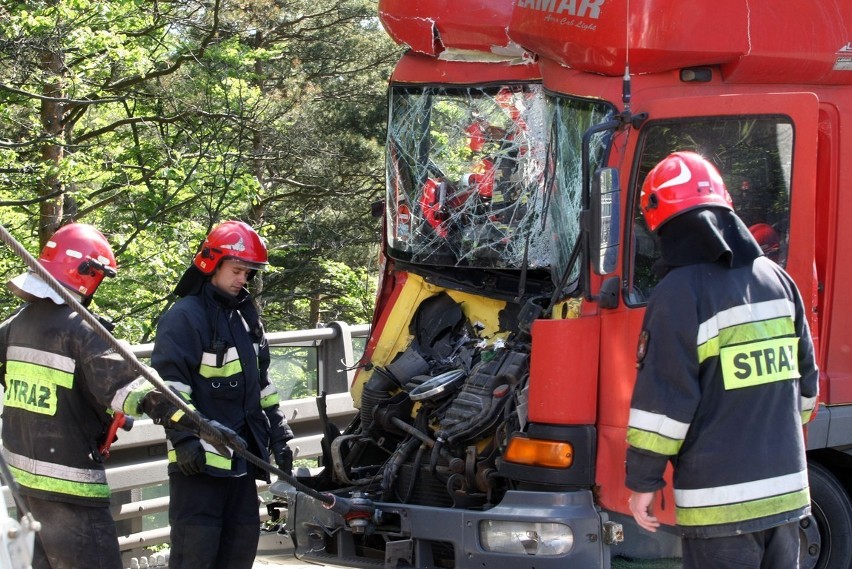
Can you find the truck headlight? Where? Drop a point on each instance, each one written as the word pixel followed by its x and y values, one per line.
pixel 545 539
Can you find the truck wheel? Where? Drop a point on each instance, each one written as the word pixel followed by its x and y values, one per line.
pixel 832 512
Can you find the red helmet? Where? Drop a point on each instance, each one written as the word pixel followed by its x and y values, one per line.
pixel 475 133
pixel 231 240
pixel 682 181
pixel 79 257
pixel 432 207
pixel 767 238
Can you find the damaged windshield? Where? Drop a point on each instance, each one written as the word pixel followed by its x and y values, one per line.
pixel 465 171
pixel 488 177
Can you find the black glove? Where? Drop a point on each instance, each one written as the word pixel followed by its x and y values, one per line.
pixel 190 456
pixel 164 412
pixel 283 456
pixel 161 409
pixel 224 439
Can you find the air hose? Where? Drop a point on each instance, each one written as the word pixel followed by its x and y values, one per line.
pixel 329 501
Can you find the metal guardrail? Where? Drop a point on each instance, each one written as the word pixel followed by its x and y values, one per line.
pixel 137 462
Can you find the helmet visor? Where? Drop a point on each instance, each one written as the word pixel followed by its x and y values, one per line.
pixel 251 265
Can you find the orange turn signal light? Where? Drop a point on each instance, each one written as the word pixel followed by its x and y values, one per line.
pixel 540 452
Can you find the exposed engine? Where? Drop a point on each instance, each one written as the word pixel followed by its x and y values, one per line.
pixel 434 421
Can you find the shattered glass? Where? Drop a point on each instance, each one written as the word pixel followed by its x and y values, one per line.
pixel 570 120
pixel 465 171
pixel 472 181
pixel 487 179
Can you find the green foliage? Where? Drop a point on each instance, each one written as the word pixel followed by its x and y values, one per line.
pixel 293 371
pixel 154 121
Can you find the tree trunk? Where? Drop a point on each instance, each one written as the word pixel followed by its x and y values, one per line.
pixel 257 209
pixel 50 210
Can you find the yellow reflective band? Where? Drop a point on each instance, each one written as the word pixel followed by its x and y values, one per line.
pixel 270 400
pixel 211 459
pixel 757 331
pixel 731 513
pixel 217 460
pixel 227 370
pixel 57 485
pixel 708 349
pixel 653 442
pixel 40 374
pixel 745 333
pixel 133 401
pixel 745 314
pixel 808 405
pixel 759 363
pixel 176 416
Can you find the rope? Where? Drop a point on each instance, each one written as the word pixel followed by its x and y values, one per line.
pixel 204 427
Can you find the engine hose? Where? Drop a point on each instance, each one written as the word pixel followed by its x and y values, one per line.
pixel 395 464
pixel 415 471
pixel 331 502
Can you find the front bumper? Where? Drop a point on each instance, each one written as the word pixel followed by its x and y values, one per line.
pixel 401 535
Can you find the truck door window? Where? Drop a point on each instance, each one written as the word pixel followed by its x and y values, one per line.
pixel 465 169
pixel 571 119
pixel 754 156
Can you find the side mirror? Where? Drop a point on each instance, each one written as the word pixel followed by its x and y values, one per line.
pixel 605 220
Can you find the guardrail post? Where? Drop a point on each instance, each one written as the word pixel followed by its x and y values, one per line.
pixel 335 360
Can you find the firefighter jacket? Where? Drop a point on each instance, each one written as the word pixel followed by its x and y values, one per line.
pixel 726 379
pixel 60 379
pixel 211 348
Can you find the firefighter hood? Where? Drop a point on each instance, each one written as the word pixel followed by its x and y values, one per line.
pixel 707 235
pixel 30 287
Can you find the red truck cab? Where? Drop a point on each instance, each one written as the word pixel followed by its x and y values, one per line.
pixel 494 392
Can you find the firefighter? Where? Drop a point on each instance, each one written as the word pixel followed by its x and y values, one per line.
pixel 212 349
pixel 726 379
pixel 62 381
pixel 768 239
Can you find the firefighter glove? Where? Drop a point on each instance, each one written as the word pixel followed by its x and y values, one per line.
pixel 283 456
pixel 190 456
pixel 164 412
pixel 223 438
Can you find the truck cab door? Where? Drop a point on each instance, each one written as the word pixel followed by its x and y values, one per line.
pixel 765 148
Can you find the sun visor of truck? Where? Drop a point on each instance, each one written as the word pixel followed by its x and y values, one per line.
pixel 436 325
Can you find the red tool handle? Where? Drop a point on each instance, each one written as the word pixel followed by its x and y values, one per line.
pixel 119 421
